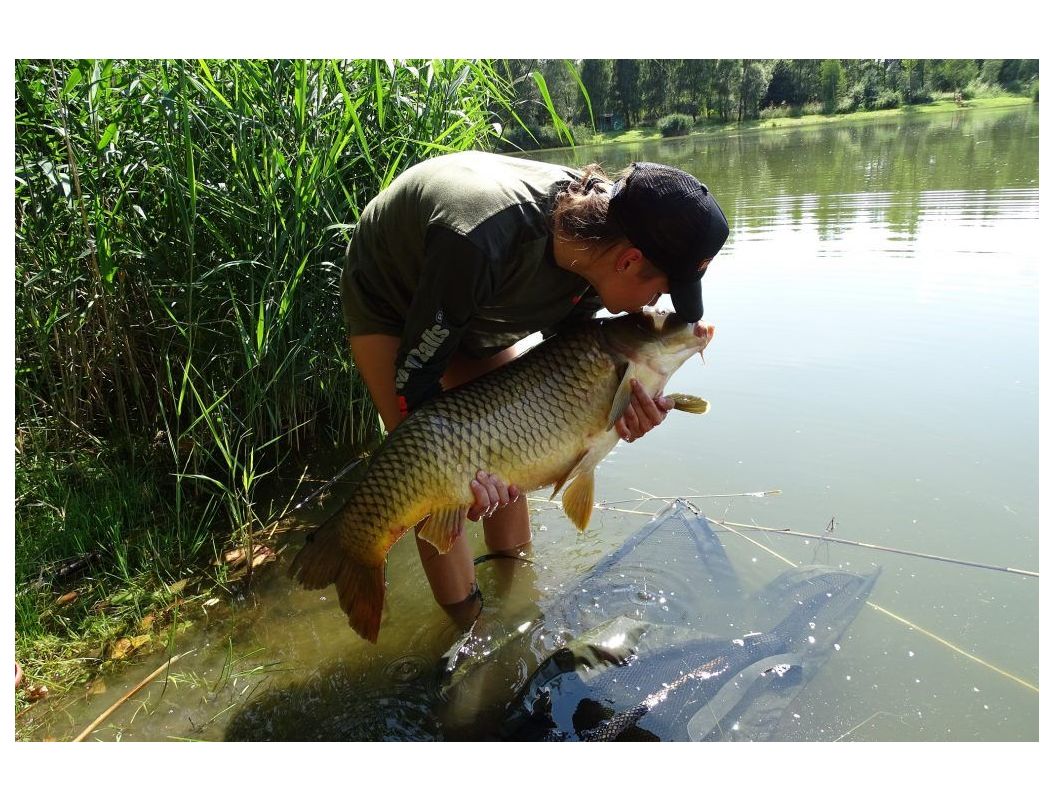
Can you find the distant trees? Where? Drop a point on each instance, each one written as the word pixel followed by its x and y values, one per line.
pixel 725 80
pixel 596 77
pixel 692 78
pixel 953 74
pixel 643 91
pixel 831 80
pixel 626 89
pixel 914 77
pixel 752 87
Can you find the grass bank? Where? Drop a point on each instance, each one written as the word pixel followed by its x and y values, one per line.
pixel 179 343
pixel 942 106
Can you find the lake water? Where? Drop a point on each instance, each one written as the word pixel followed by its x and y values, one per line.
pixel 876 360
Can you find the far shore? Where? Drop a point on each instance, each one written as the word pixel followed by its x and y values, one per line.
pixel 651 133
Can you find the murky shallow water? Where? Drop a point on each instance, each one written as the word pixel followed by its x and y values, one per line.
pixel 876 359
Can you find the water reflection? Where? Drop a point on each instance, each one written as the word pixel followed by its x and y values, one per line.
pixel 825 175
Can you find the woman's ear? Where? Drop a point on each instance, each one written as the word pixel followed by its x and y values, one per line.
pixel 629 257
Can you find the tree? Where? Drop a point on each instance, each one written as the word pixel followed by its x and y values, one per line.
pixel 831 81
pixel 563 89
pixel 1016 71
pixel 782 87
pixel 990 71
pixel 596 77
pixel 725 85
pixel 654 87
pixel 752 86
pixel 688 86
pixel 867 84
pixel 952 74
pixel 1029 70
pixel 626 89
pixel 914 78
pixel 807 78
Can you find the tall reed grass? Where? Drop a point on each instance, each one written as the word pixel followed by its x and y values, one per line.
pixel 179 232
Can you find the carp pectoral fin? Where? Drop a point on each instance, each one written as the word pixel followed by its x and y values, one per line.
pixel 570 473
pixel 689 403
pixel 443 527
pixel 623 395
pixel 578 500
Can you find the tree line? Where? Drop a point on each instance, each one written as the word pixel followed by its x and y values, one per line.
pixel 628 93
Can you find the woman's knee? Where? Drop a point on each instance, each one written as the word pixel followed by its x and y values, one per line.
pixel 508 528
pixel 451 576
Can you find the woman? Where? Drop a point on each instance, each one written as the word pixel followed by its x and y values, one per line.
pixel 465 255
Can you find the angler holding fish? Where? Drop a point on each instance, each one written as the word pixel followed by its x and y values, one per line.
pixel 457 261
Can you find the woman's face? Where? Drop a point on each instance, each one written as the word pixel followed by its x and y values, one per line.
pixel 631 283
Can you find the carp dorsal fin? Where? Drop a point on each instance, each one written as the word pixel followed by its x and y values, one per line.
pixel 623 395
pixel 443 526
pixel 570 473
pixel 689 403
pixel 578 500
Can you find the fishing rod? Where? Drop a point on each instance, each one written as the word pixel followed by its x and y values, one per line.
pixel 344 471
pixel 838 540
pixel 800 534
pixel 906 622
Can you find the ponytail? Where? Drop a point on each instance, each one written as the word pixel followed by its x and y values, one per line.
pixel 581 210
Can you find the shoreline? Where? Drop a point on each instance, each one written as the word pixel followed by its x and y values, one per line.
pixel 942 106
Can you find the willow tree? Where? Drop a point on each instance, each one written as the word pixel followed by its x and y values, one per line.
pixel 831 80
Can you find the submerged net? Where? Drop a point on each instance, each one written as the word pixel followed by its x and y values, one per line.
pixel 661 641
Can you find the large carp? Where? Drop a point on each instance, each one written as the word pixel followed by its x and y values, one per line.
pixel 546 418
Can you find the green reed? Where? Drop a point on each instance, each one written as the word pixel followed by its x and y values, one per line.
pixel 180 227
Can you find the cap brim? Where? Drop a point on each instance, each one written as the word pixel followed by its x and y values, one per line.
pixel 687 300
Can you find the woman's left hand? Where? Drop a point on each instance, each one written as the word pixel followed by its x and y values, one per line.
pixel 642 414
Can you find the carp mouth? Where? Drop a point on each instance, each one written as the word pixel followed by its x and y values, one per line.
pixel 672 327
pixel 662 339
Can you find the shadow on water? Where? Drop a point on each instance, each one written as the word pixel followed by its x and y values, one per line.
pixel 339 703
pixel 400 691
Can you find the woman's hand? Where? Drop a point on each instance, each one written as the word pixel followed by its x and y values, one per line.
pixel 642 414
pixel 491 494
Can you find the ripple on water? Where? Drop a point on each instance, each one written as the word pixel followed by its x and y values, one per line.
pixel 406 669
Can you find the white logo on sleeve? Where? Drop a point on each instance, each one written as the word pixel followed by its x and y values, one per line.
pixel 431 339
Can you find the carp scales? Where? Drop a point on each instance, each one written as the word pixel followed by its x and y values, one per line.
pixel 546 418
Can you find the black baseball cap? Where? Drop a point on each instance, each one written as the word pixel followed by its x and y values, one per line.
pixel 675 222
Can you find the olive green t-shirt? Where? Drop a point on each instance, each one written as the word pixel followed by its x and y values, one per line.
pixel 456 254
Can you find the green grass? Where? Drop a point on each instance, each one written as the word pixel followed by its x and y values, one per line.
pixel 99 554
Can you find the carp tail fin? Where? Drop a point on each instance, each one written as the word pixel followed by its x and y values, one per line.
pixel 317 563
pixel 360 587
